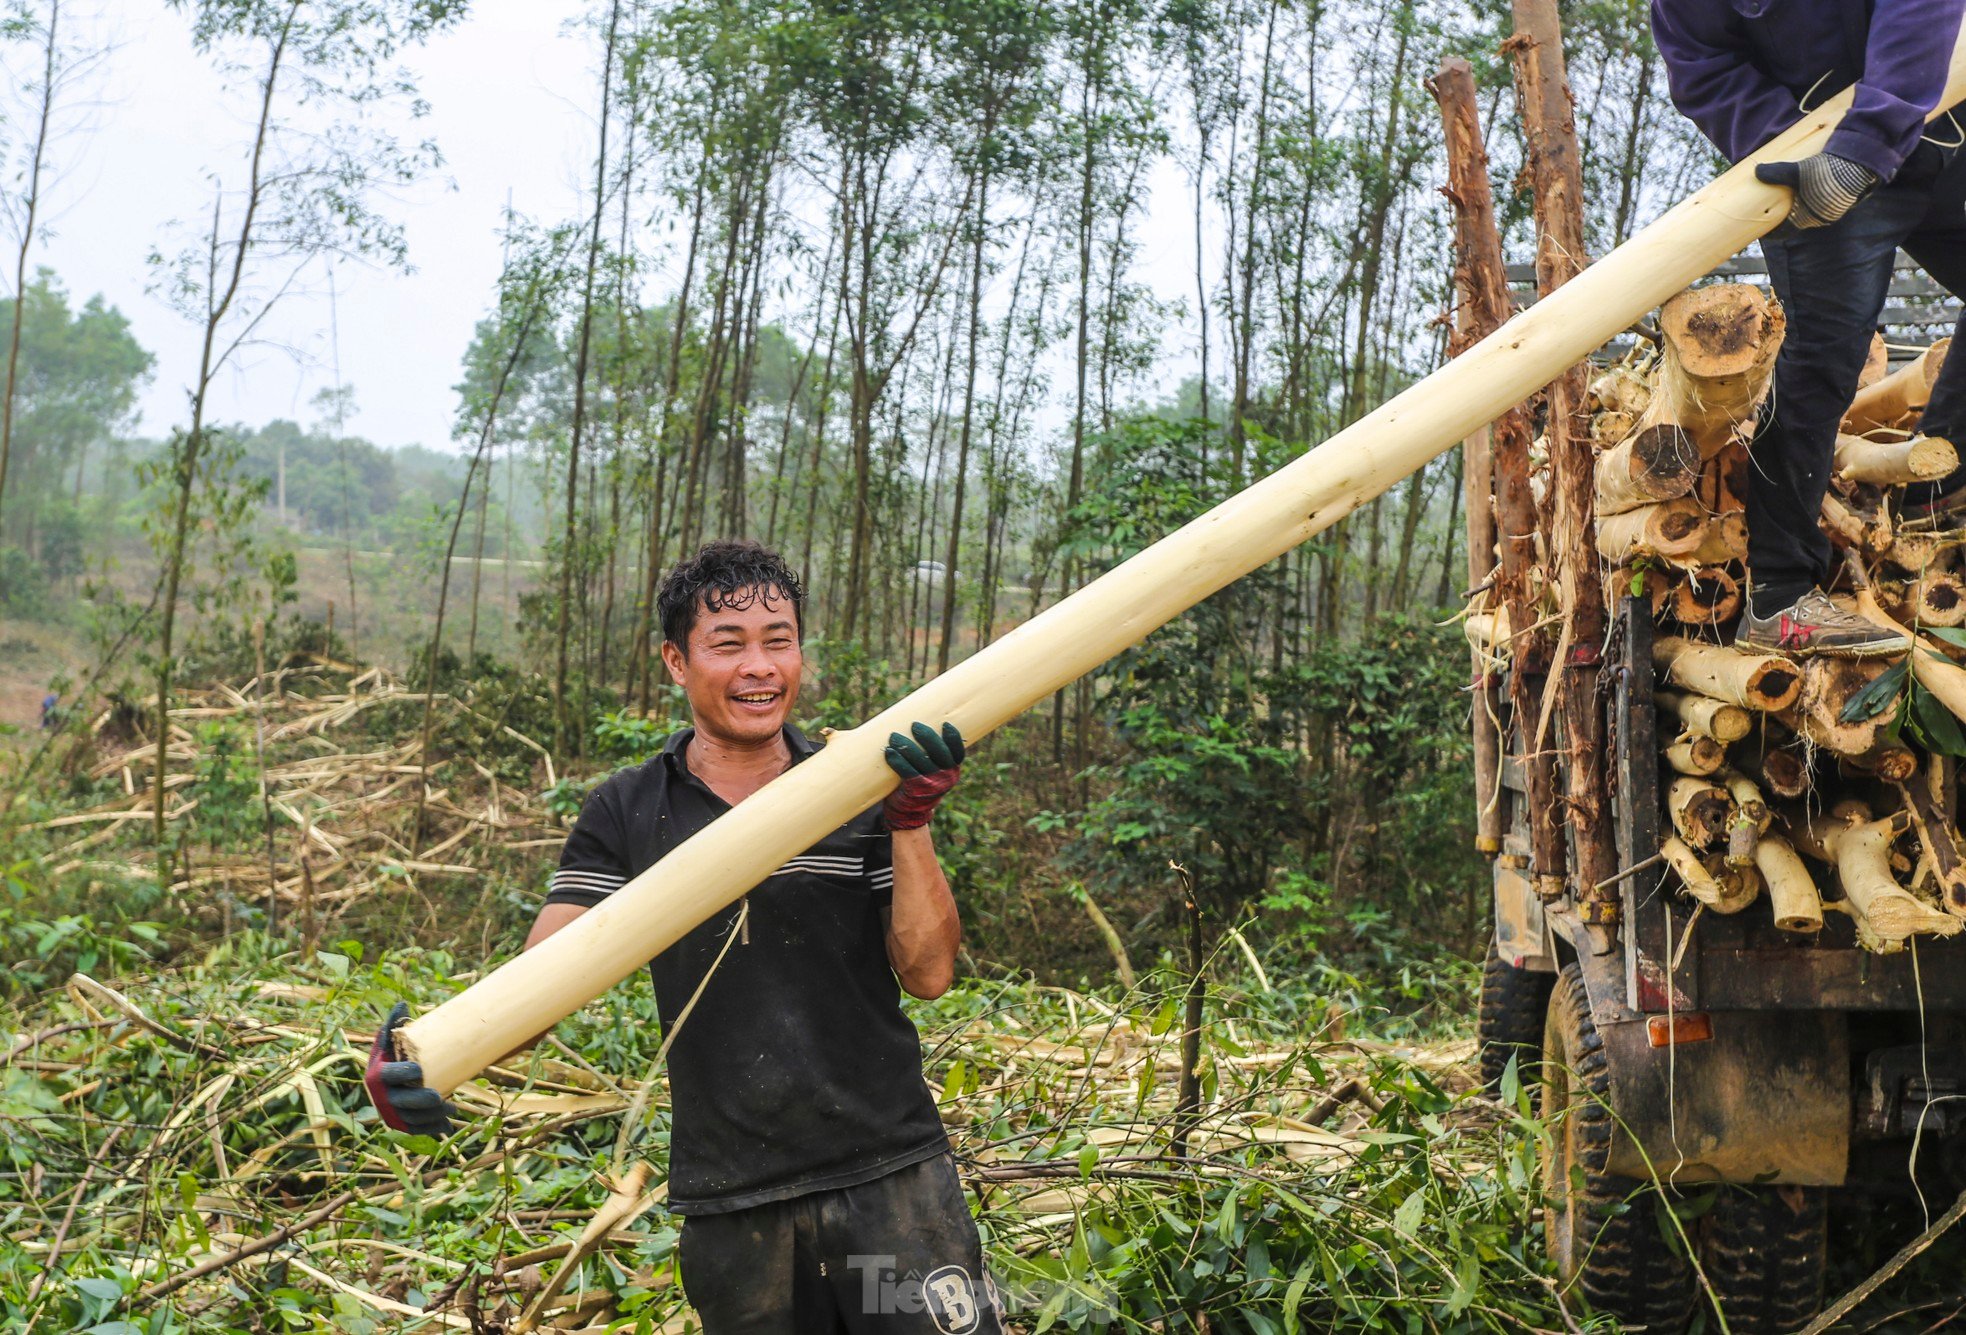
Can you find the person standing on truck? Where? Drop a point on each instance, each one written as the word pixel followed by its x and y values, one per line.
pixel 1744 71
pixel 806 1155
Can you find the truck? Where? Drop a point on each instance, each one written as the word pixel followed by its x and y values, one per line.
pixel 1715 1082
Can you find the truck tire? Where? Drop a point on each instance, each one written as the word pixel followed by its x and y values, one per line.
pixel 1765 1250
pixel 1607 1234
pixel 1514 1004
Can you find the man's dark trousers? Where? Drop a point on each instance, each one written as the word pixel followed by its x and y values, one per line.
pixel 1833 282
pixel 895 1256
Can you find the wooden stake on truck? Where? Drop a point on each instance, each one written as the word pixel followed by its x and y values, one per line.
pixel 536 990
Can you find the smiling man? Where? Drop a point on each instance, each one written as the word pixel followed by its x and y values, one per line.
pixel 806 1157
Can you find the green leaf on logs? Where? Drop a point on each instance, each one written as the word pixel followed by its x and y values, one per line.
pixel 1937 724
pixel 1877 697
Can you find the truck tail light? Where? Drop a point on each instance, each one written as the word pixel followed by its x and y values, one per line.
pixel 1690 1027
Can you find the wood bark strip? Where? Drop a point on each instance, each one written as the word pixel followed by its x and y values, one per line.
pixel 1482 280
pixel 1939 838
pixel 1554 163
pixel 740 849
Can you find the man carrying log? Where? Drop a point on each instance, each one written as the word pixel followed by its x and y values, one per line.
pixel 1744 71
pixel 806 1155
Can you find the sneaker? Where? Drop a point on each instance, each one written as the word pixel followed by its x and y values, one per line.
pixel 1815 625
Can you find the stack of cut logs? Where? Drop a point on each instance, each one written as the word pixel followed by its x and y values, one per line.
pixel 1771 764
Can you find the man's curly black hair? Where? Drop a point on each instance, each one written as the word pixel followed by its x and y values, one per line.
pixel 733 574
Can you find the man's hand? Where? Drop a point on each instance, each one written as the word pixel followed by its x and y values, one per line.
pixel 396 1087
pixel 929 764
pixel 1826 187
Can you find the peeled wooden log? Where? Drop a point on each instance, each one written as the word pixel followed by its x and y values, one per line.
pixel 1607 429
pixel 1784 770
pixel 1747 820
pixel 1654 463
pixel 1897 394
pixel 1915 551
pixel 1654 586
pixel 1860 849
pixel 744 846
pixel 1707 596
pixel 1877 363
pixel 1828 686
pixel 1695 755
pixel 1893 762
pixel 1488 633
pixel 1622 389
pixel 1724 539
pixel 1706 716
pixel 1720 346
pixel 1752 681
pixel 1861 748
pixel 1698 810
pixel 1721 888
pixel 1935 598
pixel 1893 463
pixel 1671 529
pixel 1792 893
pixel 1939 838
pixel 1866 532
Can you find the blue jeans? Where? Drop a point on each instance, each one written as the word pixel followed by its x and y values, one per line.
pixel 1833 282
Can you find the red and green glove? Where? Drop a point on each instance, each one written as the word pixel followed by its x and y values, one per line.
pixel 929 764
pixel 397 1089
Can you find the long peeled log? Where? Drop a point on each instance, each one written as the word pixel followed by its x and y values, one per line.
pixel 740 849
pixel 1908 387
pixel 1893 463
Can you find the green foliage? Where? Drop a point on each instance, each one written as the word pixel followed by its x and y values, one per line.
pixel 1263 772
pixel 225 784
pixel 52 926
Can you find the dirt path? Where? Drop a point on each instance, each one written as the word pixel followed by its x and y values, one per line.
pixel 30 656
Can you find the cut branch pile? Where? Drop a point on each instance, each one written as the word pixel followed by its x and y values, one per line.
pixel 212 1131
pixel 350 816
pixel 1812 783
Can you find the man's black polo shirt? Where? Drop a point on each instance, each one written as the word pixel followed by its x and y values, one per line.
pixel 797 1071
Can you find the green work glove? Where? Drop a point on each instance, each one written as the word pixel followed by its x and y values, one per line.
pixel 929 764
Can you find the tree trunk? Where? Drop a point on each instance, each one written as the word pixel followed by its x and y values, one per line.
pixel 1482 278
pixel 1557 178
pixel 564 738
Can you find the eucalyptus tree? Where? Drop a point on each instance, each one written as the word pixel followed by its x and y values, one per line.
pixel 46 63
pixel 865 74
pixel 570 542
pixel 322 76
pixel 998 90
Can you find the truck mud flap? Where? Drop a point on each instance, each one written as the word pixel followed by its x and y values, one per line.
pixel 1765 1099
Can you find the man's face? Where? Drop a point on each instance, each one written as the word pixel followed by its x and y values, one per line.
pixel 741 673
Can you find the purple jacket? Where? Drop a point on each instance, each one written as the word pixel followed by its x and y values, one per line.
pixel 1741 69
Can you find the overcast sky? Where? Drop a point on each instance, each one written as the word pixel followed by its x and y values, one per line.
pixel 510 98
